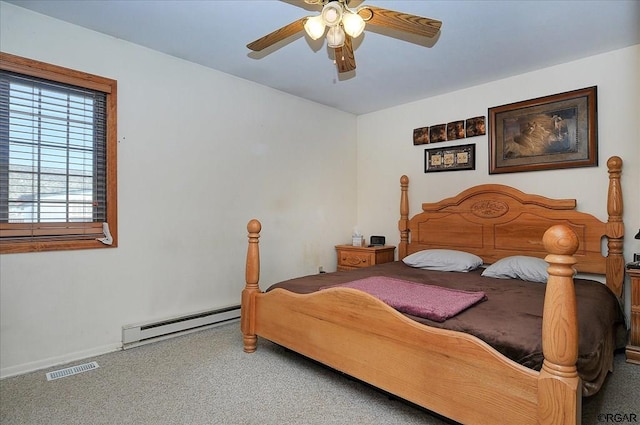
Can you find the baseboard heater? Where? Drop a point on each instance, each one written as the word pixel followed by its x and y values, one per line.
pixel 136 335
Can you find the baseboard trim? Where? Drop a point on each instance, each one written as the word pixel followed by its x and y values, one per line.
pixel 24 368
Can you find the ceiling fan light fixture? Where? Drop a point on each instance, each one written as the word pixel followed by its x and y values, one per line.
pixel 314 27
pixel 353 24
pixel 335 37
pixel 332 14
pixel 346 24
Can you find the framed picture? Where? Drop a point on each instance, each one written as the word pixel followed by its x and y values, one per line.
pixel 558 131
pixel 453 158
pixel 438 133
pixel 475 127
pixel 455 130
pixel 421 136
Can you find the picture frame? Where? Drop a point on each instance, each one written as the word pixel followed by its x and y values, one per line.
pixel 453 158
pixel 551 132
pixel 455 130
pixel 438 133
pixel 475 127
pixel 421 136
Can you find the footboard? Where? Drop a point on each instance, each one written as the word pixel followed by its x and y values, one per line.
pixel 357 334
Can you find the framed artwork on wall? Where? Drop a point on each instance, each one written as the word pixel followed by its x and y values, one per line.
pixel 475 127
pixel 455 130
pixel 437 133
pixel 453 158
pixel 421 136
pixel 558 131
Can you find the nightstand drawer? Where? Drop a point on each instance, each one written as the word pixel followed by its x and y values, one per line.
pixel 355 259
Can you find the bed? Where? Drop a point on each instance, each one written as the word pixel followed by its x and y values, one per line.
pixel 424 362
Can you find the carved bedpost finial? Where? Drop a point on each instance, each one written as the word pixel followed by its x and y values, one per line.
pixel 614 198
pixel 560 240
pixel 558 383
pixel 253 254
pixel 615 228
pixel 254 226
pixel 614 163
pixel 403 223
pixel 252 276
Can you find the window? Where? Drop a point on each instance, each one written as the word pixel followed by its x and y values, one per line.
pixel 57 158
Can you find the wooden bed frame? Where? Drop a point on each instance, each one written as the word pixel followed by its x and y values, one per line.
pixel 359 335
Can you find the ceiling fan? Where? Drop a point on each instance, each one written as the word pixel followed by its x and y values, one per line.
pixel 345 24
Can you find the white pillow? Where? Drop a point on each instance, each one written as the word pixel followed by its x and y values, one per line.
pixel 532 269
pixel 446 260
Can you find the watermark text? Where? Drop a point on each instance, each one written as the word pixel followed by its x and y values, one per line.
pixel 618 418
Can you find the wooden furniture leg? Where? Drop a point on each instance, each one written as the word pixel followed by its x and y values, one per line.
pixel 252 276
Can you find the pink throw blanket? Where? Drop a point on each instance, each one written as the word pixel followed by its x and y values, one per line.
pixel 428 301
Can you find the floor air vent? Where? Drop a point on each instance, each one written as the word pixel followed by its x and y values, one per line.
pixel 63 373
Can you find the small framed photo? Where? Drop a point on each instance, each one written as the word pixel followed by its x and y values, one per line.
pixel 475 127
pixel 421 136
pixel 453 158
pixel 438 133
pixel 455 130
pixel 558 131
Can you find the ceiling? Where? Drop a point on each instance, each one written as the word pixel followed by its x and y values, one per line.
pixel 480 41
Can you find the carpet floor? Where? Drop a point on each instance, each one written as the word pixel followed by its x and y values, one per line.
pixel 206 378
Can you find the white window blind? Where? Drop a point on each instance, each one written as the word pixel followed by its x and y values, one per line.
pixel 52 158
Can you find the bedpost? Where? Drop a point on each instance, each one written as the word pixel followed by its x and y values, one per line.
pixel 559 386
pixel 615 228
pixel 403 223
pixel 252 276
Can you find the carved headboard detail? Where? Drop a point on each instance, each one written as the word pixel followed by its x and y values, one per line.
pixel 495 221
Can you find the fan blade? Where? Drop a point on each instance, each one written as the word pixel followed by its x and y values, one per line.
pixel 345 60
pixel 278 35
pixel 413 24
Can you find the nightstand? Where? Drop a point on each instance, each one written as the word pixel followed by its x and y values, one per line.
pixel 633 348
pixel 357 257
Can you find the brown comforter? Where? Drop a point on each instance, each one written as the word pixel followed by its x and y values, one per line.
pixel 510 320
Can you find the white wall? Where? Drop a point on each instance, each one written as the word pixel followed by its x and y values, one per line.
pixel 386 151
pixel 200 153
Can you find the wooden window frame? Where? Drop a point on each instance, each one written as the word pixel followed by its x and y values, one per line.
pixel 108 86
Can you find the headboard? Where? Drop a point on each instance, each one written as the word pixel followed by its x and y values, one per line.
pixel 495 221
